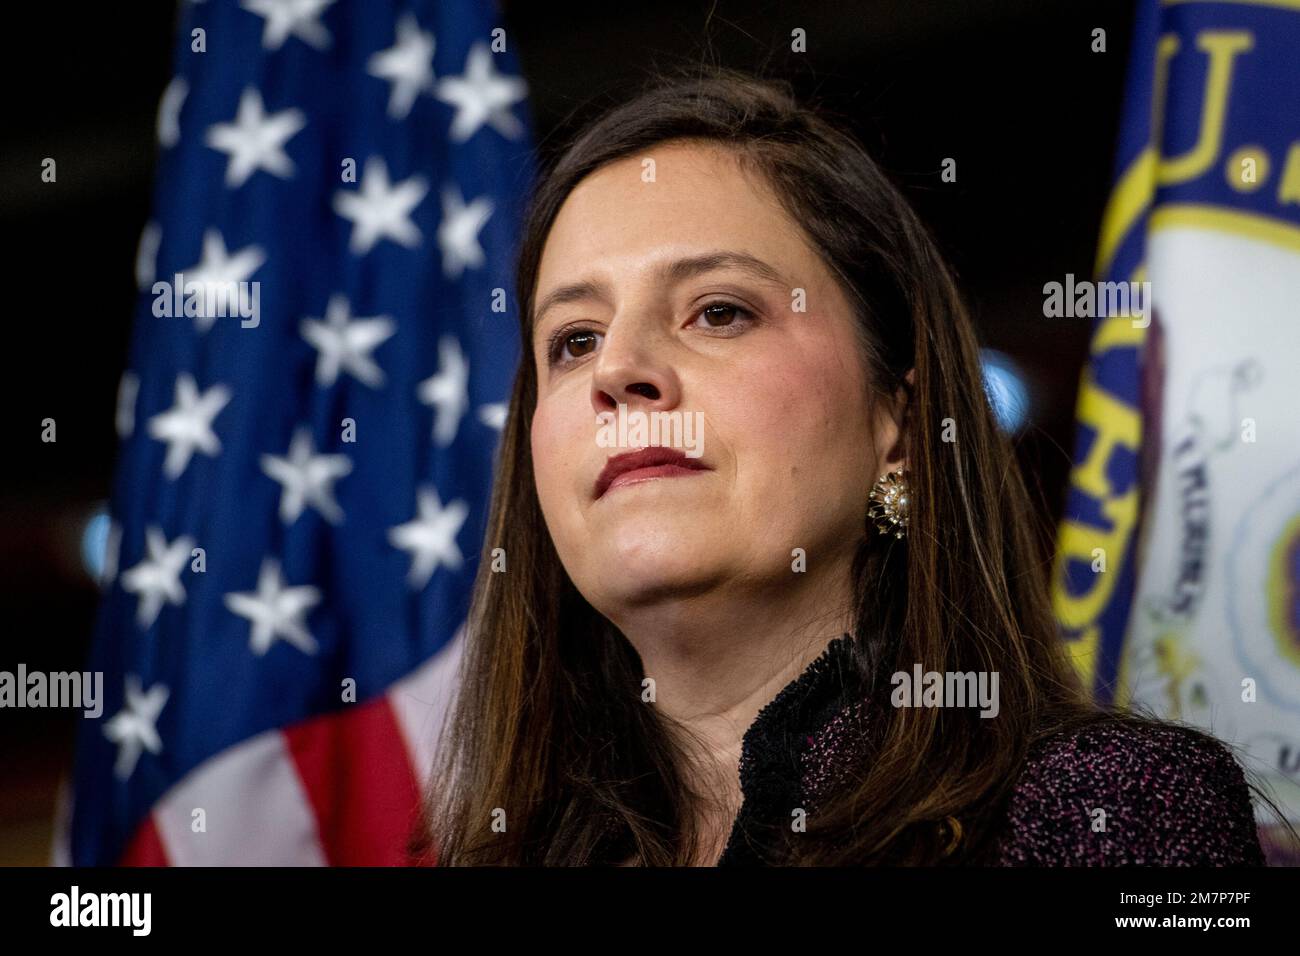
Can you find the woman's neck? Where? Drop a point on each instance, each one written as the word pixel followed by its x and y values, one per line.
pixel 715 666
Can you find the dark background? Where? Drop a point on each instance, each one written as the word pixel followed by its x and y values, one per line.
pixel 1009 88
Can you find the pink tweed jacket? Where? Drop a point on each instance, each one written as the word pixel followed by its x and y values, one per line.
pixel 1172 795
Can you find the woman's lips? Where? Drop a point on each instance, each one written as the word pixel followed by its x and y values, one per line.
pixel 645 464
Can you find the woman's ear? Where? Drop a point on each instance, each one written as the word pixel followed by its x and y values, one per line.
pixel 895 426
pixel 896 455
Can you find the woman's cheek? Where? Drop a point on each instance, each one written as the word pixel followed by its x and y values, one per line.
pixel 545 454
pixel 763 395
pixel 559 436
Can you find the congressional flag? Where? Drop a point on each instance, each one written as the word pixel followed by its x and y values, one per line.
pixel 323 343
pixel 1178 571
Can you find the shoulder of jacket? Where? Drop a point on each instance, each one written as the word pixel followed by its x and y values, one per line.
pixel 1131 792
pixel 1108 747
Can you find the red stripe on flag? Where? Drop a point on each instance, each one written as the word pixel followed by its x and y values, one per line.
pixel 359 780
pixel 146 847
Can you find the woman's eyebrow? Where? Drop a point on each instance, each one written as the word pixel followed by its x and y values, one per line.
pixel 573 292
pixel 678 270
pixel 691 266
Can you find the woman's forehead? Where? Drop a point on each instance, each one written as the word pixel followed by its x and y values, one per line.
pixel 672 201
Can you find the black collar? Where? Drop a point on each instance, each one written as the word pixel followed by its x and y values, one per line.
pixel 809 732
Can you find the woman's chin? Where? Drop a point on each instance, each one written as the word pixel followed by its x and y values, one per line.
pixel 651 538
pixel 636 581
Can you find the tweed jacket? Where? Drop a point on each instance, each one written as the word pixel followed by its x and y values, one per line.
pixel 1171 796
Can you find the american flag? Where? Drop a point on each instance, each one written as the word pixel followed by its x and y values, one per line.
pixel 302 485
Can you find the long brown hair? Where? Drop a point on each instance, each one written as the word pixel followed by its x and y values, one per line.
pixel 548 731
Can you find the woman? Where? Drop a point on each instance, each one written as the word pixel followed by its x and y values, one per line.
pixel 688 654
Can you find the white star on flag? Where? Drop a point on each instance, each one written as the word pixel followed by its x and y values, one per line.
pixel 447 391
pixel 459 229
pixel 345 344
pixel 157 579
pixel 255 140
pixel 380 210
pixel 431 537
pixel 493 415
pixel 276 610
pixel 482 95
pixel 187 425
pixel 307 479
pixel 285 18
pixel 134 727
pixel 217 270
pixel 408 65
pixel 169 112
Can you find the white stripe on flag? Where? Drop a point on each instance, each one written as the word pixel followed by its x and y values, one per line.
pixel 420 701
pixel 257 812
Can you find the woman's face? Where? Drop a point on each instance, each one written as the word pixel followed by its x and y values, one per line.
pixel 676 288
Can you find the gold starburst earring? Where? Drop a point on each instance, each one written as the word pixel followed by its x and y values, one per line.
pixel 890 503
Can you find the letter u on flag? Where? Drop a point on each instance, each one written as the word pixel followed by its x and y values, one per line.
pixel 303 480
pixel 1177 578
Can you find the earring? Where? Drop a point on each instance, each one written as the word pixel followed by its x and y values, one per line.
pixel 890 504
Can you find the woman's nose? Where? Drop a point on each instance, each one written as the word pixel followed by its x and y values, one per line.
pixel 632 368
pixel 632 380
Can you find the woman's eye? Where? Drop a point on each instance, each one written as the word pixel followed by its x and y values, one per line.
pixel 569 346
pixel 721 315
pixel 575 345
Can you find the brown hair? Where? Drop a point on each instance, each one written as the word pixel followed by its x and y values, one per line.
pixel 548 723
